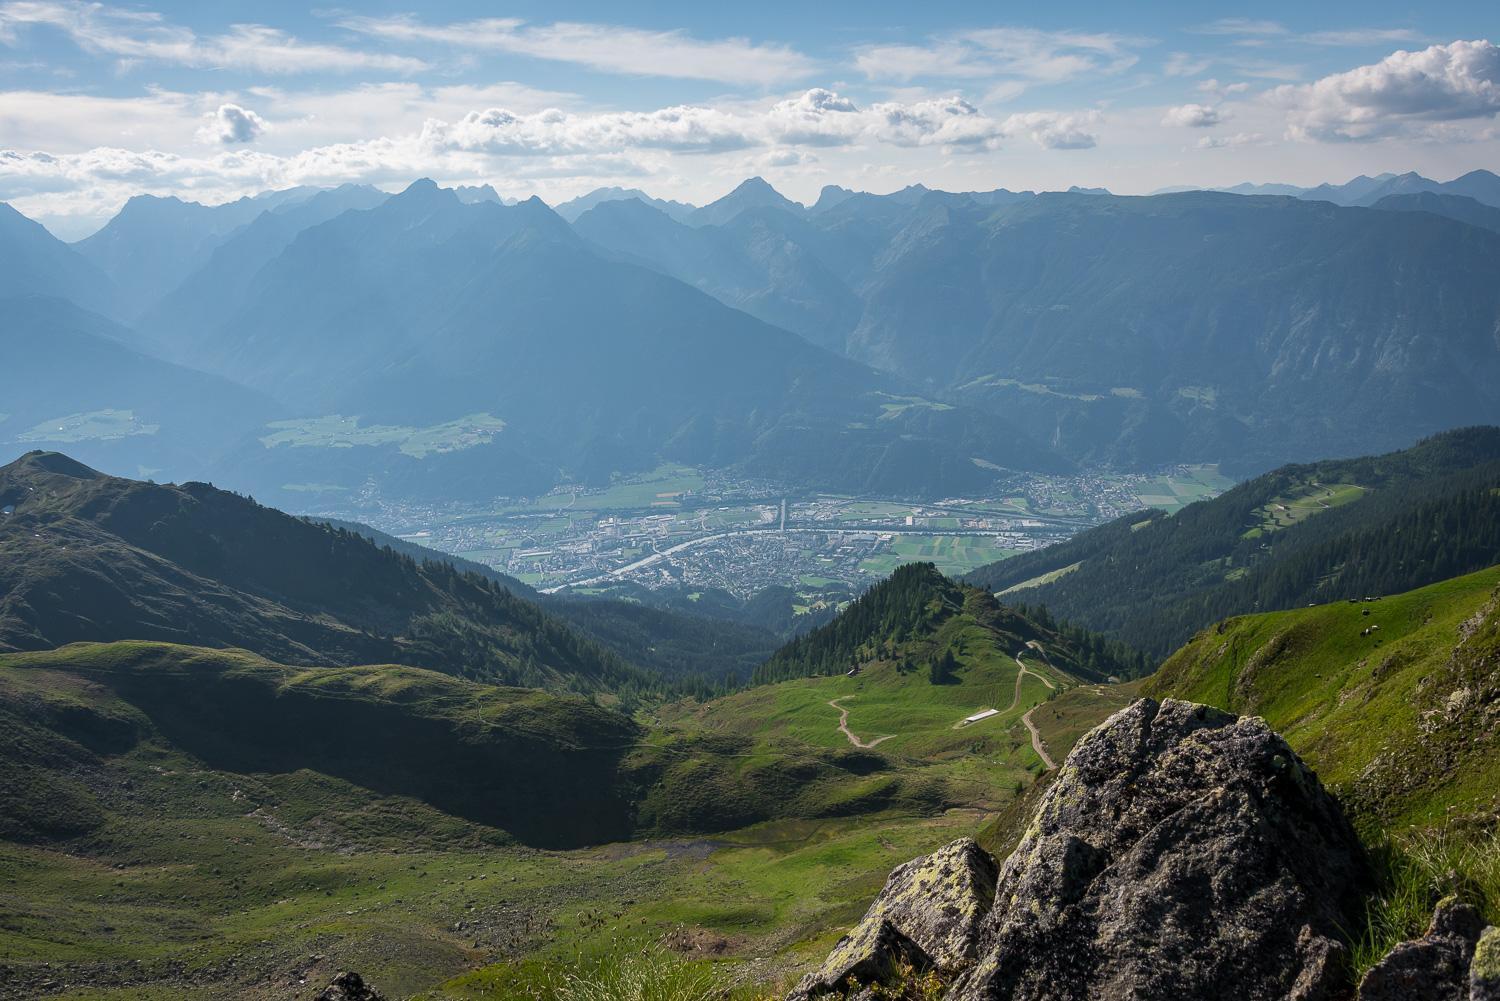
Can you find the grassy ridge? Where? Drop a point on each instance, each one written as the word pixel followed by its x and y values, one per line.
pixel 544 767
pixel 1389 700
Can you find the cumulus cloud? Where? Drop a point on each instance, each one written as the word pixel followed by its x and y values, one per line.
pixel 1193 116
pixel 1056 129
pixel 1405 94
pixel 815 118
pixel 605 47
pixel 135 36
pixel 1023 53
pixel 232 124
pixel 1214 87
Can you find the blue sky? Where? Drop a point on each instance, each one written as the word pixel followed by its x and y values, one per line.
pixel 213 100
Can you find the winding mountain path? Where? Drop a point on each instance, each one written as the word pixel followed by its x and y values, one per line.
pixel 844 725
pixel 1037 744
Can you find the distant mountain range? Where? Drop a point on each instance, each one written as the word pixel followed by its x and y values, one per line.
pixel 1481 185
pixel 70 378
pixel 1100 325
pixel 442 343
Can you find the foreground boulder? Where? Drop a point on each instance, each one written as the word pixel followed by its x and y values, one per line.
pixel 1181 853
pixel 349 987
pixel 1434 967
pixel 928 916
pixel 1484 972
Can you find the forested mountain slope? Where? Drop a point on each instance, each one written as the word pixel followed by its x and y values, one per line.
pixel 1309 533
pixel 910 618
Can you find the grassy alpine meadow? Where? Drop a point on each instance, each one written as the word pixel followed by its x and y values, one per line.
pixel 1370 692
pixel 151 866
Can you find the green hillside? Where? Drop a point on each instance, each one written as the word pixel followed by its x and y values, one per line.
pixel 1295 536
pixel 90 557
pixel 181 819
pixel 884 692
pixel 545 768
pixel 920 620
pixel 1392 701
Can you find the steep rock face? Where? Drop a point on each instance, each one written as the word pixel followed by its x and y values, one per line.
pixel 1184 853
pixel 1435 967
pixel 929 915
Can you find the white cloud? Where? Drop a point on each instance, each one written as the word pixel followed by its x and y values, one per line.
pixel 1405 94
pixel 1024 53
pixel 816 118
pixel 141 36
pixel 1214 87
pixel 1362 36
pixel 1240 26
pixel 1193 116
pixel 1230 142
pixel 1185 64
pixel 232 124
pixel 604 47
pixel 1057 130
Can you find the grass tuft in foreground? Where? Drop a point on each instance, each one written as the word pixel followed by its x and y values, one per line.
pixel 1413 872
pixel 622 973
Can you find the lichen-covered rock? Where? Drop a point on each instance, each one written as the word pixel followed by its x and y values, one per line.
pixel 1181 853
pixel 1434 967
pixel 349 987
pixel 1484 970
pixel 928 915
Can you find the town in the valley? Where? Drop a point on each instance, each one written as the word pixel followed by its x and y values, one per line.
pixel 682 526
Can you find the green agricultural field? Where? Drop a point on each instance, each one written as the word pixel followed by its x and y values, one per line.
pixel 662 488
pixel 1300 504
pixel 1040 389
pixel 1177 489
pixel 337 431
pixel 953 554
pixel 1041 579
pixel 95 425
pixel 898 405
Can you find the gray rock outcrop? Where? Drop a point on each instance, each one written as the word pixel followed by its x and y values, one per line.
pixel 928 915
pixel 349 986
pixel 1181 853
pixel 1434 967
